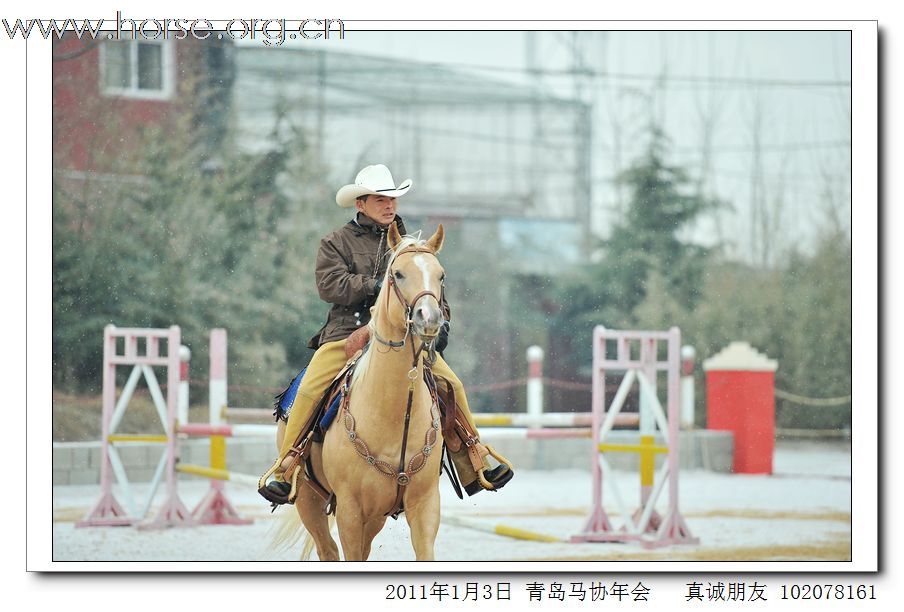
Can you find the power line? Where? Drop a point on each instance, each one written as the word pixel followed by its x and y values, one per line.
pixel 744 148
pixel 627 76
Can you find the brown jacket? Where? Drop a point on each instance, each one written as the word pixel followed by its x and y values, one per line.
pixel 348 264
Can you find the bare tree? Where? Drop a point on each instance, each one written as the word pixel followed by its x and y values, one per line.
pixel 709 106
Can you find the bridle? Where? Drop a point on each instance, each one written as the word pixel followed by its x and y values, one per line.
pixel 409 306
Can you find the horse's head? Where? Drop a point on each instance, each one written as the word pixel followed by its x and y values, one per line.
pixel 415 277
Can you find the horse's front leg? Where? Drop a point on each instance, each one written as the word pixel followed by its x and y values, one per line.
pixel 310 509
pixel 371 529
pixel 423 520
pixel 351 531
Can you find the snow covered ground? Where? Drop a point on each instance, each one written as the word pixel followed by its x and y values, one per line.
pixel 800 513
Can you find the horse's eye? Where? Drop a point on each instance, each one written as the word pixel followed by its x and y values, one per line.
pixel 442 278
pixel 399 275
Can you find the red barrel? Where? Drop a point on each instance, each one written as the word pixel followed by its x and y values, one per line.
pixel 740 397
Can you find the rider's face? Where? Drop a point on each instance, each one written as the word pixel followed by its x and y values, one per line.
pixel 379 208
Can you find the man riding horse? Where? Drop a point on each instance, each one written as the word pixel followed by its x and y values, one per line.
pixel 350 267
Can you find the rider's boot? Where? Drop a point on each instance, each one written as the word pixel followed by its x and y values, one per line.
pixel 478 465
pixel 287 467
pixel 300 401
pixel 286 472
pixel 472 463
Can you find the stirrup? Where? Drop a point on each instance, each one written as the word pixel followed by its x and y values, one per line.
pixel 273 497
pixel 500 477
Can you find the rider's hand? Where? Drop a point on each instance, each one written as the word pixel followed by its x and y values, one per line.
pixel 442 341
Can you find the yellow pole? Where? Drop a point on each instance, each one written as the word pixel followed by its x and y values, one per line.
pixel 647 461
pixel 523 534
pixel 489 420
pixel 137 438
pixel 634 448
pixel 647 451
pixel 218 452
pixel 200 470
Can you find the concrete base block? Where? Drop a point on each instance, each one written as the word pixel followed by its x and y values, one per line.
pixel 134 454
pixel 82 476
pixel 708 450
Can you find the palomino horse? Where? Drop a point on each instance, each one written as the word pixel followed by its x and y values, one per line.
pixel 362 459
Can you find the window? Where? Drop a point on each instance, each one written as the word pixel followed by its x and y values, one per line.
pixel 137 69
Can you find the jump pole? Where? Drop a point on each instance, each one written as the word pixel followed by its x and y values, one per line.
pixel 536 433
pixel 217 474
pixel 499 529
pixel 546 419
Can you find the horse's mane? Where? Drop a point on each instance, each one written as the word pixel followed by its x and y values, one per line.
pixel 363 363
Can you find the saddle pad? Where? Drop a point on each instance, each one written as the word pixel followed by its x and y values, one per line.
pixel 330 413
pixel 285 399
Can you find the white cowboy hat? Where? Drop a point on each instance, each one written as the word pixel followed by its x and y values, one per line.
pixel 372 180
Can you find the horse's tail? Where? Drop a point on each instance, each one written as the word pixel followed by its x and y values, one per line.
pixel 289 529
pixel 308 544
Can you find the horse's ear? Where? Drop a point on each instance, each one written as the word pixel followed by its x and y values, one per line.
pixel 393 238
pixel 436 240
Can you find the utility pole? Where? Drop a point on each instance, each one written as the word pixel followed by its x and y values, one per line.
pixel 583 134
pixel 536 173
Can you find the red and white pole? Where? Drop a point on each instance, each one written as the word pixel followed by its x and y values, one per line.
pixel 215 508
pixel 217 390
pixel 688 355
pixel 184 358
pixel 534 381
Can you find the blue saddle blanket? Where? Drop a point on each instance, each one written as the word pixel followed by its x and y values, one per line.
pixel 286 399
pixel 330 413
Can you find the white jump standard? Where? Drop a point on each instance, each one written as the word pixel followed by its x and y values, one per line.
pixel 107 511
pixel 643 526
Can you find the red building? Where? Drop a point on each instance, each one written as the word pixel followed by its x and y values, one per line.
pixel 106 94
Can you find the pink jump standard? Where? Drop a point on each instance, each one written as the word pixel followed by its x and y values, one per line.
pixel 643 526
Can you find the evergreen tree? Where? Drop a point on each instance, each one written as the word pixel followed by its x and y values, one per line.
pixel 196 244
pixel 648 239
pixel 645 248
